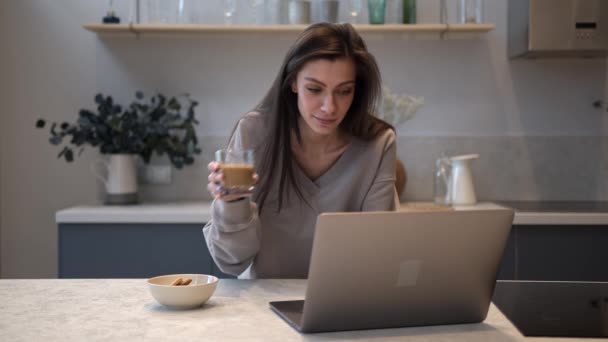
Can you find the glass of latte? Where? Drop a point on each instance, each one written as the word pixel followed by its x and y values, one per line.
pixel 237 169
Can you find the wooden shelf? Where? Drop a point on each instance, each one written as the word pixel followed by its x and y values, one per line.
pixel 171 29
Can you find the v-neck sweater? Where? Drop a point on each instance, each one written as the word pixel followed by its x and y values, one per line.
pixel 275 244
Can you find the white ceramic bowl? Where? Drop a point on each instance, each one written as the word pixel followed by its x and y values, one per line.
pixel 182 297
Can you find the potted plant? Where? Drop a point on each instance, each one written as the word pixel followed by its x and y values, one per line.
pixel 141 129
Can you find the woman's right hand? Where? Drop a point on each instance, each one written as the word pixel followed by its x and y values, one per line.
pixel 215 184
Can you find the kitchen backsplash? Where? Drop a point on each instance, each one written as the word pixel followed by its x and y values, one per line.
pixel 509 168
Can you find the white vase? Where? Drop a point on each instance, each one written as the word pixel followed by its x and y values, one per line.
pixel 119 178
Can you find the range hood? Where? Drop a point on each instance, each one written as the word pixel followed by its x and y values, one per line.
pixel 558 28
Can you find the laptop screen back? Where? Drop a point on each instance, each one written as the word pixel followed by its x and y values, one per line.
pixel 395 269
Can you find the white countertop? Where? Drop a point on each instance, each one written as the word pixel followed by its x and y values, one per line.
pixel 199 212
pixel 186 212
pixel 124 310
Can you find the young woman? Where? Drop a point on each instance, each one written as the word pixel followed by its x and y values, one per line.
pixel 318 149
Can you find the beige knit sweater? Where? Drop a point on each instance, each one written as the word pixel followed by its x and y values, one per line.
pixel 278 245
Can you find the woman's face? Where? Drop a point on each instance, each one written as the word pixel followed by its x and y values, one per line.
pixel 325 91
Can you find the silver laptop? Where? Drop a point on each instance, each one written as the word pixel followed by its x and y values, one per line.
pixel 396 269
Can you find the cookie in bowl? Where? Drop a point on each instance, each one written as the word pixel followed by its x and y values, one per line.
pixel 182 291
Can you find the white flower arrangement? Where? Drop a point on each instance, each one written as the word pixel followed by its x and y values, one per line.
pixel 397 109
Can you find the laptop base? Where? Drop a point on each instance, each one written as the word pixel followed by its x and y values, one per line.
pixel 290 311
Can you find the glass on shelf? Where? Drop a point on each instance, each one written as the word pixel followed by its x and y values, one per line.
pixel 470 11
pixel 393 12
pixel 181 12
pixel 328 10
pixel 355 8
pixel 377 10
pixel 272 12
pixel 256 8
pixel 192 12
pixel 161 11
pixel 229 7
pixel 299 12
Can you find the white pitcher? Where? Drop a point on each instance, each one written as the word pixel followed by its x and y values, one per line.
pixel 462 189
pixel 121 179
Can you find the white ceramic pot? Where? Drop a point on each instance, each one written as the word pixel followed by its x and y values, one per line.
pixel 119 178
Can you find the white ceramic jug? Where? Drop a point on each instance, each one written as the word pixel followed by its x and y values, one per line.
pixel 121 179
pixel 462 189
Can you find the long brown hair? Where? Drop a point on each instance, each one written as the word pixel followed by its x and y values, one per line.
pixel 318 41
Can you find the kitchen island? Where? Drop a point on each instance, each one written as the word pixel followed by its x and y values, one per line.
pixel 124 310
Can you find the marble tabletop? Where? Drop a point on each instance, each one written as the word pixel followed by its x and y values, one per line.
pixel 123 309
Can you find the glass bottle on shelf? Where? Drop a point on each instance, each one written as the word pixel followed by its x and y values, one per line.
pixel 409 11
pixel 470 11
pixel 110 17
pixel 442 195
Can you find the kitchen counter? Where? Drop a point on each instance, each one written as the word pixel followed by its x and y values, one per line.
pixel 559 212
pixel 558 206
pixel 526 213
pixel 124 310
pixel 178 212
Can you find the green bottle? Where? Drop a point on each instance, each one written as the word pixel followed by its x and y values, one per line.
pixel 409 11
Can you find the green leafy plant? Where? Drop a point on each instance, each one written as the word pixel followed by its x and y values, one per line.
pixel 156 125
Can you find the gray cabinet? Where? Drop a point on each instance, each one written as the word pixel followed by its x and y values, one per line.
pixel 507 265
pixel 567 253
pixel 88 250
pixel 564 253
